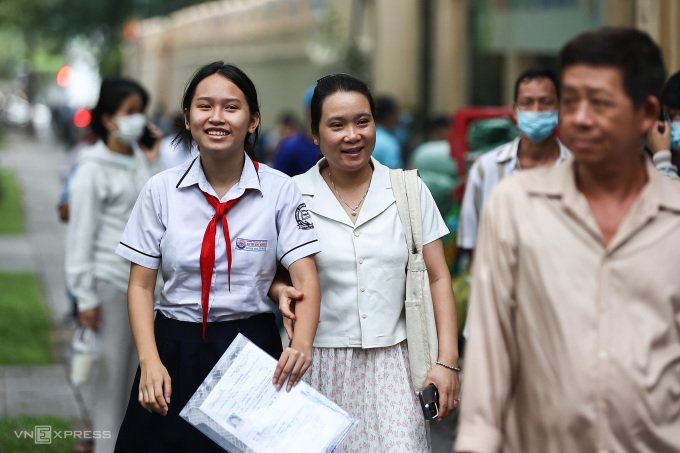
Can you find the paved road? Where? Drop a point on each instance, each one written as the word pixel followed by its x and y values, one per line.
pixel 40 390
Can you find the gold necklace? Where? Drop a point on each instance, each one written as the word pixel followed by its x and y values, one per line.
pixel 353 209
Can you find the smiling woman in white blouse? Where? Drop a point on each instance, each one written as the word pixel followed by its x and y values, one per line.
pixel 360 356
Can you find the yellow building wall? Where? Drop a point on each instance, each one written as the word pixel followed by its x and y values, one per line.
pixel 450 56
pixel 285 51
pixel 284 46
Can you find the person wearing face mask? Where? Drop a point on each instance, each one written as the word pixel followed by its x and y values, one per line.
pixel 663 141
pixel 102 193
pixel 537 95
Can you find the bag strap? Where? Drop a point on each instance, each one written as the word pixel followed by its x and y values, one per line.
pixel 407 195
pixel 413 195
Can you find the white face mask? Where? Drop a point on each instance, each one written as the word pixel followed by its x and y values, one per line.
pixel 130 128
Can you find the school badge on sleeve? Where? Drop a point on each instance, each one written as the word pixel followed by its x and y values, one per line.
pixel 303 218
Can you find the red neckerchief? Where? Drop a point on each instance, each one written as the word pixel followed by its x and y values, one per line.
pixel 208 248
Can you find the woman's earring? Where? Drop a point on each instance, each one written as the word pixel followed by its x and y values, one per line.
pixel 316 142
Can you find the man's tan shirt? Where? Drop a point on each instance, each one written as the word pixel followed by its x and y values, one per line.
pixel 574 346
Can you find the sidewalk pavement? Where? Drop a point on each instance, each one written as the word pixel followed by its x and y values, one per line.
pixel 40 390
pixel 47 390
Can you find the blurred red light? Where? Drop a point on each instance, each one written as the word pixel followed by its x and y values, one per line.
pixel 65 76
pixel 82 118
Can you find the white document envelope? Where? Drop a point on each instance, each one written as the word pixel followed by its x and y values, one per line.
pixel 238 407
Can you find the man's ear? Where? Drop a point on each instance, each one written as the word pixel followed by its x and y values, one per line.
pixel 649 111
pixel 187 125
pixel 514 112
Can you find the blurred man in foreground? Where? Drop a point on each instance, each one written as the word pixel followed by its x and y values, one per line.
pixel 575 315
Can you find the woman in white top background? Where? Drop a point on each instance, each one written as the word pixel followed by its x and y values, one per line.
pixel 217 278
pixel 360 353
pixel 102 192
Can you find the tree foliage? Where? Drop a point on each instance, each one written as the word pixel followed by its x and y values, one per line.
pixel 49 24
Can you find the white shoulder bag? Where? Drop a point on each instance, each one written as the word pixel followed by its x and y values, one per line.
pixel 421 330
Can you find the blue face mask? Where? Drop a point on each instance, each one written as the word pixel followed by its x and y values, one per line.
pixel 675 136
pixel 536 126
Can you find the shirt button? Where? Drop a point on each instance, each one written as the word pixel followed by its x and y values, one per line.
pixel 602 451
pixel 603 355
pixel 364 315
pixel 356 233
pixel 362 289
pixel 361 261
pixel 602 405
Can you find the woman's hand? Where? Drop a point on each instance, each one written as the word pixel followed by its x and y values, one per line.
pixel 293 363
pixel 659 137
pixel 448 386
pixel 445 317
pixel 154 387
pixel 152 154
pixel 287 298
pixel 90 318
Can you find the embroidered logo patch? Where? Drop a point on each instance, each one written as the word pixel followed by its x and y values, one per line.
pixel 251 245
pixel 303 218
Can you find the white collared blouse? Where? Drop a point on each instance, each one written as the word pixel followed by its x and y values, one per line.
pixel 269 224
pixel 362 266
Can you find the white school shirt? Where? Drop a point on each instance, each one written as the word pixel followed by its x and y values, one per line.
pixel 483 176
pixel 362 266
pixel 269 224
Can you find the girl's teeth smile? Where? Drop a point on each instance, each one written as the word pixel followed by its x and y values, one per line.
pixel 217 133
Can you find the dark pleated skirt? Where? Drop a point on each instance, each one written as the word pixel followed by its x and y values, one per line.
pixel 188 358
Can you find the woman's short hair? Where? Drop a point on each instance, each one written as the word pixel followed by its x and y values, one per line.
pixel 111 95
pixel 670 95
pixel 332 84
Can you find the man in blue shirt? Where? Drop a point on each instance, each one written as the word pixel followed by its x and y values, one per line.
pixel 387 149
pixel 298 153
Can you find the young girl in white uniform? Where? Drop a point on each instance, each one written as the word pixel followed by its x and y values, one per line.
pixel 217 226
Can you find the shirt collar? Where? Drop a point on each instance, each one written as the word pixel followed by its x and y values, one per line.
pixel 323 201
pixel 311 182
pixel 100 152
pixel 194 175
pixel 562 183
pixel 661 187
pixel 509 152
pixel 656 195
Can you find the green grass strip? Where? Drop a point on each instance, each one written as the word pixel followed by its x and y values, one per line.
pixel 11 215
pixel 19 435
pixel 24 324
